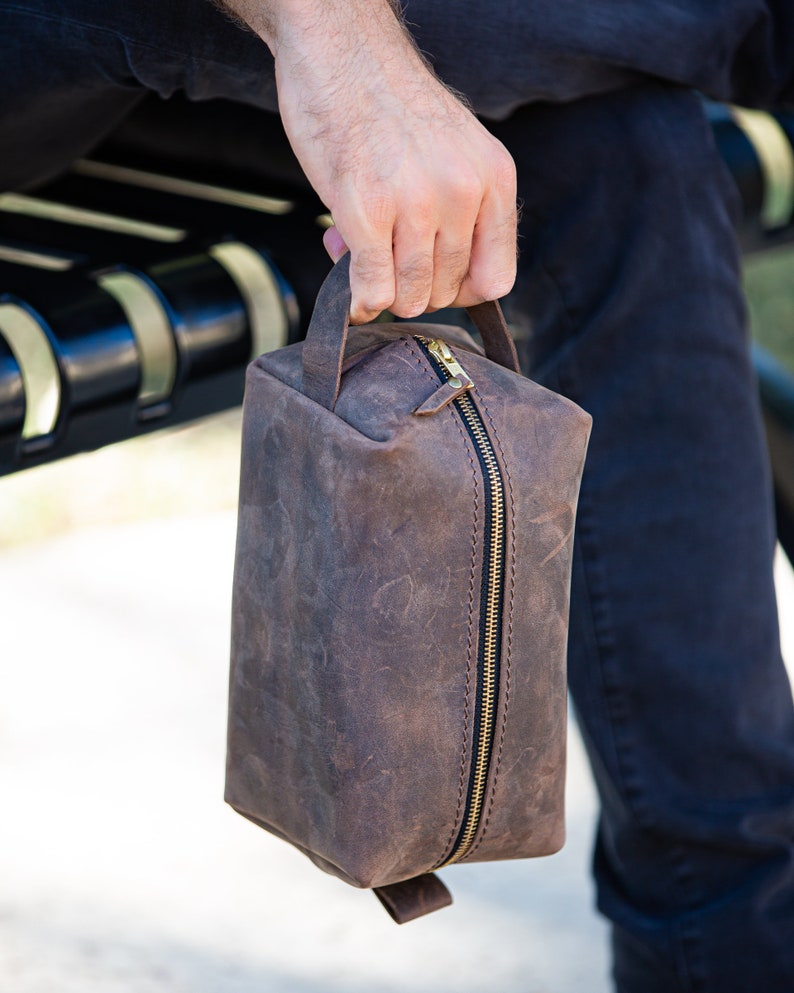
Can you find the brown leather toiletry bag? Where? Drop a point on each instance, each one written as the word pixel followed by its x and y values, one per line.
pixel 400 615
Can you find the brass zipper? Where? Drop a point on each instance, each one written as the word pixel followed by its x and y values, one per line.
pixel 490 626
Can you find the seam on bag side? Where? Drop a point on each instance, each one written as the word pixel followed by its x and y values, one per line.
pixel 508 659
pixel 462 782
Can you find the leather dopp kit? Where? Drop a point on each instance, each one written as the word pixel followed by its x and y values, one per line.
pixel 400 609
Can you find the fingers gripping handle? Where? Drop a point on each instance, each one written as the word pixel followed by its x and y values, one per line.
pixel 326 338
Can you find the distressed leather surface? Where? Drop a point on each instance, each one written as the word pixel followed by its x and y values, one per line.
pixel 357 600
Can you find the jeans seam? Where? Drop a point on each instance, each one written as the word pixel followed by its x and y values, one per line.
pixel 689 938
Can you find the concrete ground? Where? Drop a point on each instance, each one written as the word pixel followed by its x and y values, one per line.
pixel 122 871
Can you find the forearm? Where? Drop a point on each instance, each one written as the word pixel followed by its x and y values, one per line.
pixel 420 193
pixel 281 23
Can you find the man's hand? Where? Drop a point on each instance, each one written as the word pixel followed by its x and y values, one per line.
pixel 422 195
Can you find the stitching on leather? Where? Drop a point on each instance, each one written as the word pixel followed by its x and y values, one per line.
pixel 470 650
pixel 508 659
pixel 421 361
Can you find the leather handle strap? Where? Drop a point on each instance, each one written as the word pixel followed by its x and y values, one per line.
pixel 326 338
pixel 414 897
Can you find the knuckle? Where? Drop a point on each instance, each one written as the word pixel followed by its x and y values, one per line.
pixel 369 308
pixel 378 210
pixel 455 263
pixel 452 269
pixel 372 265
pixel 372 282
pixel 414 284
pixel 415 271
pixel 447 290
pixel 468 189
pixel 374 303
pixel 419 221
pixel 363 315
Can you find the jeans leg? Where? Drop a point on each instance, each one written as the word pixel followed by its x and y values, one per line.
pixel 629 272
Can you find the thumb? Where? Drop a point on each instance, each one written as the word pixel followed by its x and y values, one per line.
pixel 334 243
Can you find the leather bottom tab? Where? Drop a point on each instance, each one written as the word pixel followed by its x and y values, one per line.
pixel 413 897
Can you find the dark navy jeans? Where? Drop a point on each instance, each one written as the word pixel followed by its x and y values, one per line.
pixel 629 279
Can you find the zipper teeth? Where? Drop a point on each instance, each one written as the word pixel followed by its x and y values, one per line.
pixel 490 632
pixel 490 625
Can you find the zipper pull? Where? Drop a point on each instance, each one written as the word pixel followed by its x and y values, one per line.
pixel 444 395
pixel 453 387
pixel 442 353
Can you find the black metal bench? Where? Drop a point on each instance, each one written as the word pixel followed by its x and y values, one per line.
pixel 134 290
